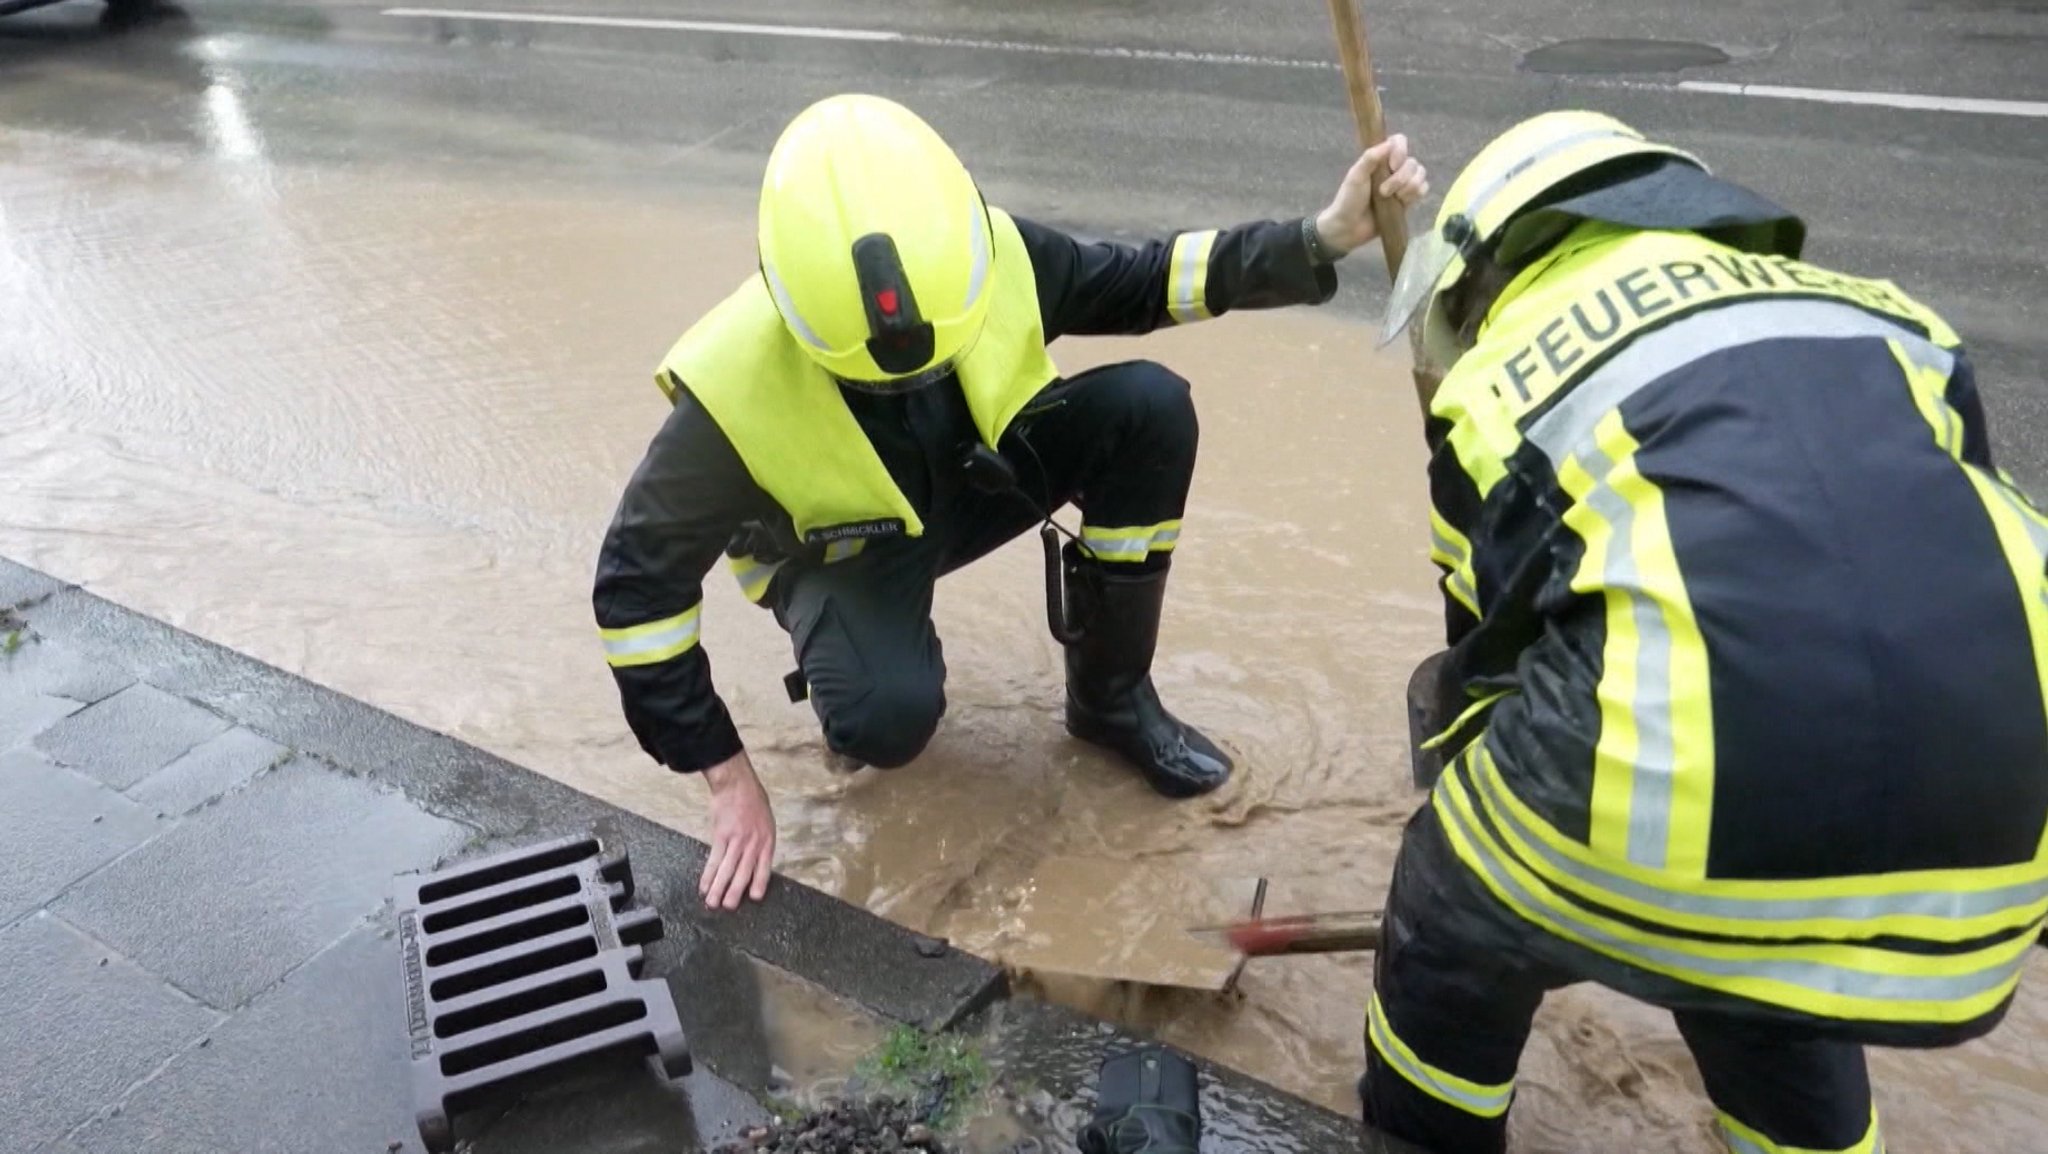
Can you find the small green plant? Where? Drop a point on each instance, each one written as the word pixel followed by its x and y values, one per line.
pixel 11 642
pixel 942 1074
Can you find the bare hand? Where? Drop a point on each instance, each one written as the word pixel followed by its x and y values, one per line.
pixel 742 836
pixel 1347 223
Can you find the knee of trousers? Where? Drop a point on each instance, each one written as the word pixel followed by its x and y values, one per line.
pixel 1158 410
pixel 890 724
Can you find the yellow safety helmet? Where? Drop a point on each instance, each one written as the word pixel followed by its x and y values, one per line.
pixel 1511 173
pixel 875 243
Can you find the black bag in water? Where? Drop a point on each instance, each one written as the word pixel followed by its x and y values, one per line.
pixel 1146 1102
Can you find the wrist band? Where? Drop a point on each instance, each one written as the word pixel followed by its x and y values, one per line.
pixel 1318 252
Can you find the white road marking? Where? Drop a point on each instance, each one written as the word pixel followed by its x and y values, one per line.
pixel 1970 104
pixel 1963 104
pixel 866 35
pixel 793 31
pixel 1114 52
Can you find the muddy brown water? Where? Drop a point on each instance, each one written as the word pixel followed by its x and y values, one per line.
pixel 369 426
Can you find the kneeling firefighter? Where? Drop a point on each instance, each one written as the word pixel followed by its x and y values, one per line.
pixel 1743 706
pixel 875 407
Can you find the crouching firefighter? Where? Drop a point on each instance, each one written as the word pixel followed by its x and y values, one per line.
pixel 875 407
pixel 1742 713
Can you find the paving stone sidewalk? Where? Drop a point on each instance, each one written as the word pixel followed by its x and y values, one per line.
pixel 196 948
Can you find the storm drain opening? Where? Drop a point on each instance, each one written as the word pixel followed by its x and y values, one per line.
pixel 526 966
pixel 498 937
pixel 512 969
pixel 517 1005
pixel 504 903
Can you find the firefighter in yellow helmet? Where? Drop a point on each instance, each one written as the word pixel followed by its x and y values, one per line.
pixel 876 407
pixel 1743 705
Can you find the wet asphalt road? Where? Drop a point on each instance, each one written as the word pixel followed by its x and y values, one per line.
pixel 1121 116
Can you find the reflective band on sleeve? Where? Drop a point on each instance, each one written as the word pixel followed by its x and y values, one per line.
pixel 841 550
pixel 1448 548
pixel 1187 277
pixel 1743 1140
pixel 754 576
pixel 1469 1096
pixel 654 642
pixel 1133 543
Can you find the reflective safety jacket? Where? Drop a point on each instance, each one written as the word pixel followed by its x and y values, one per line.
pixel 1754 635
pixel 783 414
pixel 737 457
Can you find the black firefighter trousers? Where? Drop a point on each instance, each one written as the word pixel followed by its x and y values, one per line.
pixel 1456 985
pixel 1118 441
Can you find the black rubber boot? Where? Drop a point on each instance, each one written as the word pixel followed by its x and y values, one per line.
pixel 1146 1102
pixel 1110 698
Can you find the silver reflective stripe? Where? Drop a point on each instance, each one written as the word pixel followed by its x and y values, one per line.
pixel 754 577
pixel 1488 1105
pixel 683 632
pixel 1649 807
pixel 1817 977
pixel 840 550
pixel 1938 360
pixel 1946 905
pixel 979 276
pixel 1446 546
pixel 1457 580
pixel 788 309
pixel 2037 533
pixel 1569 425
pixel 1134 546
pixel 1737 1144
pixel 1117 546
pixel 1464 590
pixel 1492 188
pixel 1186 298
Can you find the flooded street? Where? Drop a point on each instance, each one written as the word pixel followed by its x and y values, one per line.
pixel 364 414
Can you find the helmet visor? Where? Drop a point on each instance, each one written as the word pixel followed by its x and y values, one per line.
pixel 1424 265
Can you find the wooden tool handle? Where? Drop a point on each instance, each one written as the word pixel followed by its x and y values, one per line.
pixel 1356 56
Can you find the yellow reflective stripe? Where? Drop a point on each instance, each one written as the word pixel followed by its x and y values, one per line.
pixel 753 576
pixel 1187 276
pixel 1829 980
pixel 1928 383
pixel 1469 1096
pixel 2023 532
pixel 654 642
pixel 1451 550
pixel 1744 1140
pixel 1130 543
pixel 1945 906
pixel 844 548
pixel 1471 711
pixel 1653 774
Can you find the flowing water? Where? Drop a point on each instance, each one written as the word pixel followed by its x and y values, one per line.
pixel 369 424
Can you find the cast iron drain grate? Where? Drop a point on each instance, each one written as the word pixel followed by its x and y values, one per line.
pixel 522 966
pixel 1567 57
